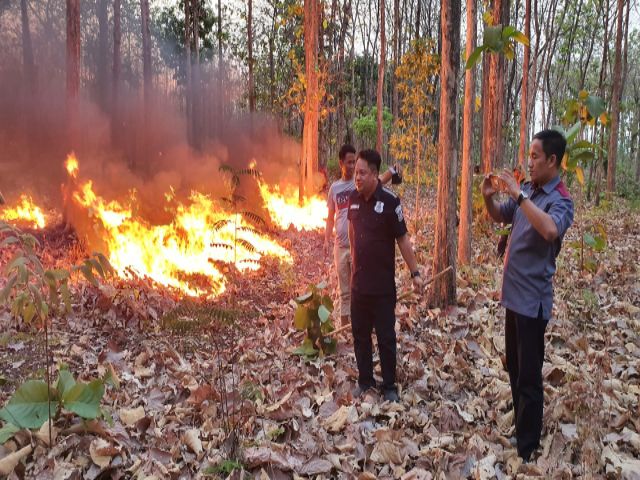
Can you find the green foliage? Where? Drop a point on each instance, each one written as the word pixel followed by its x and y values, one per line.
pixel 34 292
pixel 313 314
pixel 497 39
pixel 366 126
pixel 591 243
pixel 29 406
pixel 225 467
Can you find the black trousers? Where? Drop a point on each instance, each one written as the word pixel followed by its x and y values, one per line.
pixel 524 339
pixel 369 312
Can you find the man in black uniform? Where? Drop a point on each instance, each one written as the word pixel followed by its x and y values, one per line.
pixel 376 223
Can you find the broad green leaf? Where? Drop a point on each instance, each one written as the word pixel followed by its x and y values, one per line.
pixel 66 296
pixel 583 144
pixel 84 399
pixel 493 37
pixel 8 241
pixel 589 240
pixel 306 349
pixel 595 105
pixel 65 382
pixel 19 261
pixel 572 132
pixel 301 318
pixel 474 57
pixel 508 31
pixel 600 243
pixel 28 312
pixel 4 293
pixel 521 38
pixel 88 274
pixel 8 431
pixel 327 302
pixel 28 408
pixel 323 313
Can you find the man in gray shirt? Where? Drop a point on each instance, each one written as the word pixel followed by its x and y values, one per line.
pixel 540 214
pixel 337 203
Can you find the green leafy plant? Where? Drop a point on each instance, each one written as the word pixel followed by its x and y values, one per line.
pixel 592 242
pixel 313 314
pixel 31 404
pixel 497 39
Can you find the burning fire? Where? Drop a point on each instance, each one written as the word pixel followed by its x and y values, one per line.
pixel 285 210
pixel 190 253
pixel 25 212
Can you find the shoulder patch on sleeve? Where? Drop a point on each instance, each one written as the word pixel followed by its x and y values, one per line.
pixel 390 192
pixel 562 189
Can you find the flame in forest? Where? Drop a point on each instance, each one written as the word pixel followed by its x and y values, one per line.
pixel 71 165
pixel 285 209
pixel 190 253
pixel 25 212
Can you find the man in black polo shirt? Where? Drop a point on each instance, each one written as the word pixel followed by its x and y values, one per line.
pixel 376 223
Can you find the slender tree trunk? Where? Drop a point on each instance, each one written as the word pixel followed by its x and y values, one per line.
pixel 73 70
pixel 381 65
pixel 522 148
pixel 418 15
pixel 196 97
pixel 309 162
pixel 103 47
pixel 28 62
pixel 221 75
pixel 146 52
pixel 252 93
pixel 115 95
pixel 444 251
pixel 187 69
pixel 396 58
pixel 616 91
pixel 466 186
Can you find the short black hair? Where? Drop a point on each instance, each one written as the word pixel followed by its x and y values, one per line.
pixel 553 143
pixel 371 157
pixel 344 150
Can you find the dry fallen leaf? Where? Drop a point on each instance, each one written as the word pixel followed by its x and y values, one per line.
pixel 43 433
pixel 8 463
pixel 130 416
pixel 192 440
pixel 101 452
pixel 339 419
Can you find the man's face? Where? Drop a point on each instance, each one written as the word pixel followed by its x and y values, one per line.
pixel 541 168
pixel 348 165
pixel 366 179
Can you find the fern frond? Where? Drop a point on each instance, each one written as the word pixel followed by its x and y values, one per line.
pixel 247 245
pixel 254 217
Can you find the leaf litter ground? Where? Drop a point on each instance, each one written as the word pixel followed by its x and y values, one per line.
pixel 188 404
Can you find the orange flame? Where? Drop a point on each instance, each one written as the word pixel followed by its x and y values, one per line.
pixel 189 253
pixel 285 210
pixel 71 164
pixel 25 212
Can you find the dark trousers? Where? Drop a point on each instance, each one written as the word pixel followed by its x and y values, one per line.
pixel 524 339
pixel 369 312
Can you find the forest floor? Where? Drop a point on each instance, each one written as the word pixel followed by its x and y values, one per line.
pixel 198 403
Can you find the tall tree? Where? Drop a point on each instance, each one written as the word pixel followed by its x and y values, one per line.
pixel 466 185
pixel 146 52
pixel 73 69
pixel 28 62
pixel 115 96
pixel 444 250
pixel 524 114
pixel 103 47
pixel 616 92
pixel 309 164
pixel 188 27
pixel 252 91
pixel 381 66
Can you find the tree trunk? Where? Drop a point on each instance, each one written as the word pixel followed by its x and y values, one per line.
pixel 28 62
pixel 196 97
pixel 146 51
pixel 115 96
pixel 396 58
pixel 466 186
pixel 309 163
pixel 103 46
pixel 220 97
pixel 381 65
pixel 522 149
pixel 188 73
pixel 252 93
pixel 444 254
pixel 616 91
pixel 73 70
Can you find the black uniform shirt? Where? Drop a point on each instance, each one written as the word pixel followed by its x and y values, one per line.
pixel 374 227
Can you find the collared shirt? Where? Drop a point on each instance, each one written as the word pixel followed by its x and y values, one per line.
pixel 376 224
pixel 338 197
pixel 530 260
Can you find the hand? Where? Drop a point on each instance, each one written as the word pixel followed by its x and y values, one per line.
pixel 486 188
pixel 511 184
pixel 326 246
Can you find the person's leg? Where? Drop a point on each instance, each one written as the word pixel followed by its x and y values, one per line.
pixel 511 352
pixel 384 322
pixel 342 256
pixel 530 339
pixel 361 327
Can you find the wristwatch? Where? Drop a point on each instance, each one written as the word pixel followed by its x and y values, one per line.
pixel 522 197
pixel 415 274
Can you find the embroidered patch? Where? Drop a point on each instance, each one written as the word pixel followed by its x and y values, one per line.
pixel 399 213
pixel 354 206
pixel 379 207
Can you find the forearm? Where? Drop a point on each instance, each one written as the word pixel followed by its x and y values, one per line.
pixel 385 177
pixel 407 253
pixel 540 221
pixel 328 230
pixel 493 208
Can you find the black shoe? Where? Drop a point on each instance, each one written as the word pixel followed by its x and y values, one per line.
pixel 391 396
pixel 361 390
